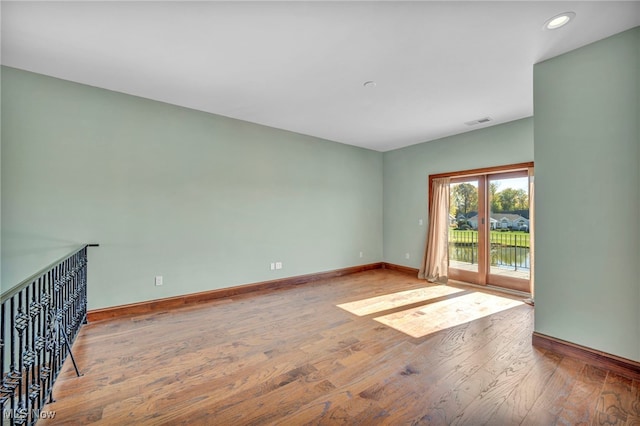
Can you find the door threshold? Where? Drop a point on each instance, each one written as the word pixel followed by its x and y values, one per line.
pixel 508 291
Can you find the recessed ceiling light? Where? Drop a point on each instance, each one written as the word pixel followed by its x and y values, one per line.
pixel 559 20
pixel 369 84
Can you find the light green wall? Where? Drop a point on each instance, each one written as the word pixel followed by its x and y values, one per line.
pixel 205 201
pixel 587 156
pixel 407 170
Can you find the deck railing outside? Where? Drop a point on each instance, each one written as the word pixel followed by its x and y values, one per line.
pixel 509 250
pixel 40 318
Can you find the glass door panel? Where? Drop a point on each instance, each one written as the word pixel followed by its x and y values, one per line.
pixel 466 259
pixel 508 229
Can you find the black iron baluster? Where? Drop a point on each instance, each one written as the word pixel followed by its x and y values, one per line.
pixel 471 245
pixel 38 344
pixel 4 396
pixel 9 382
pixel 26 352
pixel 21 325
pixel 514 251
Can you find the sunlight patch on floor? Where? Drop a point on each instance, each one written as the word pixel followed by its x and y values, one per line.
pixel 419 322
pixel 395 300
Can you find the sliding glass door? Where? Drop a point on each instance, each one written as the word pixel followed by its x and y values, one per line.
pixel 490 240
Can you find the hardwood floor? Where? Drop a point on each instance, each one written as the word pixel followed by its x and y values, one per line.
pixel 295 357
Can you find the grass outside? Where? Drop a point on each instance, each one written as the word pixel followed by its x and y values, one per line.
pixel 508 238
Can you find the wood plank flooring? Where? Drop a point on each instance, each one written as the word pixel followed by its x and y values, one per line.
pixel 294 357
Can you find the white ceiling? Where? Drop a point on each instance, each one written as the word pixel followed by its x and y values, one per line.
pixel 301 66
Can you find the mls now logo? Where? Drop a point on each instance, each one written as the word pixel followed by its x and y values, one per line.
pixel 22 413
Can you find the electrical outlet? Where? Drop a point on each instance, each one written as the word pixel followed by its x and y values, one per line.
pixel 278 265
pixel 273 266
pixel 407 255
pixel 158 279
pixel 361 254
pixel 420 222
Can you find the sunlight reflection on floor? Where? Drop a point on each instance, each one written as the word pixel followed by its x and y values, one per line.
pixel 395 300
pixel 418 322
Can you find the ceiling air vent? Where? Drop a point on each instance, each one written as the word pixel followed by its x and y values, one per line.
pixel 478 121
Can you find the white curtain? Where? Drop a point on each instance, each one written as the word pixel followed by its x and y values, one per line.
pixel 435 263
